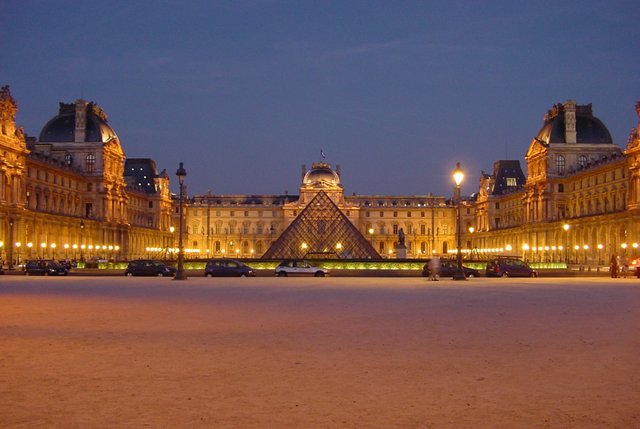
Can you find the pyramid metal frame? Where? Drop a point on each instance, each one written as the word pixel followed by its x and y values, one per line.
pixel 321 231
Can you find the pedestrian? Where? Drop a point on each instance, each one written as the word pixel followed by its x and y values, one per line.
pixel 434 268
pixel 613 266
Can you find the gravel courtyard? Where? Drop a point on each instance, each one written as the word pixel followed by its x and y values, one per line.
pixel 95 352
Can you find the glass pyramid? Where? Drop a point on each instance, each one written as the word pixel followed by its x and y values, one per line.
pixel 321 231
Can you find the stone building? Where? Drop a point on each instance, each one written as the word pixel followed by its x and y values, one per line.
pixel 68 193
pixel 580 201
pixel 247 225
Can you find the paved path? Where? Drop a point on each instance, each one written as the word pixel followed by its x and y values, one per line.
pixel 319 353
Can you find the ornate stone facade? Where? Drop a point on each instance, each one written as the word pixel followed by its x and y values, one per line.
pixel 65 195
pixel 246 225
pixel 576 176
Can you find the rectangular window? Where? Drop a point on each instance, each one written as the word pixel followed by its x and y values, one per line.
pixel 381 214
pixel 395 214
pixel 150 204
pixel 511 181
pixel 395 229
pixel 560 187
pixel 246 213
pixel 408 214
pixel 231 213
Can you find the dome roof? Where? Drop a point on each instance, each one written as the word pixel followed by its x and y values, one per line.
pixel 63 126
pixel 321 174
pixel 589 129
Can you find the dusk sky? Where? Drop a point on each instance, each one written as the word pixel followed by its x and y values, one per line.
pixel 395 92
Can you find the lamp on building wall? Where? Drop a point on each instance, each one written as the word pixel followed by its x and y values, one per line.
pixel 458 176
pixel 172 229
pixel 181 173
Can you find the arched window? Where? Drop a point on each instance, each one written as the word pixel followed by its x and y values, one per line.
pixel 560 164
pixel 582 161
pixel 90 162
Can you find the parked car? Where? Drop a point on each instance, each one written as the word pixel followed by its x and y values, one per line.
pixel 45 267
pixel 509 267
pixel 227 268
pixel 299 267
pixel 148 267
pixel 448 267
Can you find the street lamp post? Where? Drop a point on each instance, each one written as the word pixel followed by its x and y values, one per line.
pixel 10 249
pixel 181 173
pixel 81 242
pixel 566 243
pixel 458 176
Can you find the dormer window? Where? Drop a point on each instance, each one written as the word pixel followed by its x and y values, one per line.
pixel 560 164
pixel 582 161
pixel 68 159
pixel 90 162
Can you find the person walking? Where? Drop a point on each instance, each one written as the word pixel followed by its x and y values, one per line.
pixel 434 268
pixel 613 266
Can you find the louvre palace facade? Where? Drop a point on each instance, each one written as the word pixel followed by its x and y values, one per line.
pixel 72 193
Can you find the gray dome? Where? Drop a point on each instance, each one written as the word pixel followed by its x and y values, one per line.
pixel 62 127
pixel 589 129
pixel 321 174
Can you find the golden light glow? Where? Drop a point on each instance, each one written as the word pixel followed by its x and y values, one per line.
pixel 566 227
pixel 525 246
pixel 471 229
pixel 600 246
pixel 458 174
pixel 339 246
pixel 623 245
pixel 304 245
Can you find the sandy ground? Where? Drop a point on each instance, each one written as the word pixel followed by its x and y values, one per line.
pixel 319 353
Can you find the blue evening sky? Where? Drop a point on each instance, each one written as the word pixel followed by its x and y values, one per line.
pixel 395 92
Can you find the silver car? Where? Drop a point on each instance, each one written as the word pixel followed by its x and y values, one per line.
pixel 299 267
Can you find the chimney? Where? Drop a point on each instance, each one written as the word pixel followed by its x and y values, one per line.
pixel 81 121
pixel 570 121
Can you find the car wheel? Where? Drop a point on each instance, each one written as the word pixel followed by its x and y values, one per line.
pixel 46 273
pixel 208 275
pixel 534 274
pixel 27 273
pixel 282 274
pixel 319 274
pixel 471 275
pixel 243 275
pixel 128 274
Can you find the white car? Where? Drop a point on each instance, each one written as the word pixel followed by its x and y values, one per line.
pixel 299 267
